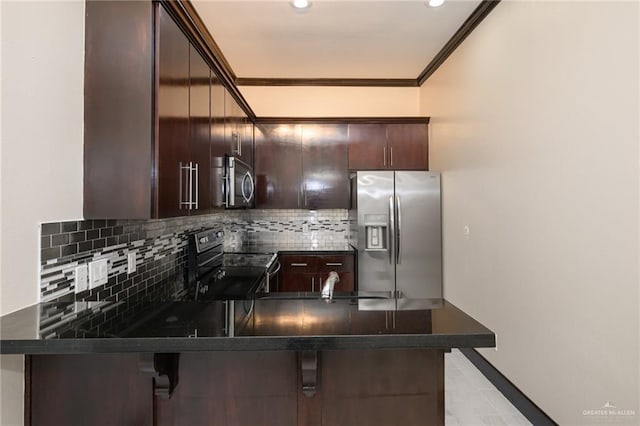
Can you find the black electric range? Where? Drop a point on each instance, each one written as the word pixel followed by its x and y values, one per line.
pixel 214 274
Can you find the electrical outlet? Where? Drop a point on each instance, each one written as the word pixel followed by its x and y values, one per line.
pixel 305 227
pixel 81 283
pixel 98 273
pixel 131 262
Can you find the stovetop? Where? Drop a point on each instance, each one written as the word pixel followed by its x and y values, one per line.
pixel 264 260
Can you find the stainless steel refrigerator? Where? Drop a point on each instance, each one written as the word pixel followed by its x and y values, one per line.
pixel 399 233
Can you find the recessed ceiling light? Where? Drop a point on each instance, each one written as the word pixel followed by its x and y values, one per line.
pixel 435 3
pixel 300 4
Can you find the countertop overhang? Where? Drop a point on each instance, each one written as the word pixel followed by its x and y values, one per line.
pixel 293 323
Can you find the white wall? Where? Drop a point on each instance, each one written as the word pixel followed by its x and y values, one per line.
pixel 41 164
pixel 535 129
pixel 305 101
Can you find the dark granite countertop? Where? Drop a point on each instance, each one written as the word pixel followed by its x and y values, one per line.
pixel 291 248
pixel 275 321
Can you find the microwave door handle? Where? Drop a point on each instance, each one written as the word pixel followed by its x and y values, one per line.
pixel 253 187
pixel 227 190
pixel 244 179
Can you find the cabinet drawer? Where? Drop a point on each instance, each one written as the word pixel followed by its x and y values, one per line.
pixel 301 263
pixel 338 263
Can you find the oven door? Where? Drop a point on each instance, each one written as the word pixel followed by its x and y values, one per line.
pixel 240 184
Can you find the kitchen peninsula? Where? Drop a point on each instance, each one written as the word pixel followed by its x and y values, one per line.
pixel 285 358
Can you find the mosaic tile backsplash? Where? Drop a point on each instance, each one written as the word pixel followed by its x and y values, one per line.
pixel 160 248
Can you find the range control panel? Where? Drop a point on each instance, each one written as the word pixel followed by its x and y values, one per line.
pixel 208 239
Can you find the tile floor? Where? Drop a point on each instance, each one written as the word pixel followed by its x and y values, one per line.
pixel 471 400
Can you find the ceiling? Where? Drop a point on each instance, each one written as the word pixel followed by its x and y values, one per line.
pixel 332 39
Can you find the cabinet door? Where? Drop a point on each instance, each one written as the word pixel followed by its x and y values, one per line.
pixel 298 281
pixel 246 144
pixel 278 166
pixel 99 389
pixel 408 146
pixel 232 125
pixel 218 142
pixel 200 130
pixel 325 182
pixel 299 273
pixel 367 147
pixel 173 116
pixel 118 93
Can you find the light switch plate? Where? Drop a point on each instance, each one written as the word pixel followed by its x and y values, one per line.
pixel 98 273
pixel 81 278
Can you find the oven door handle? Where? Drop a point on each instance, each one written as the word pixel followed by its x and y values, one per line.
pixel 206 262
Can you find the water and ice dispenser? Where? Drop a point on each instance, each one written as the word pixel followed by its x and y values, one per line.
pixel 375 227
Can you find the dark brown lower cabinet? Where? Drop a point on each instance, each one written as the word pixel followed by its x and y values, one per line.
pixel 233 388
pixel 96 389
pixel 352 387
pixel 308 272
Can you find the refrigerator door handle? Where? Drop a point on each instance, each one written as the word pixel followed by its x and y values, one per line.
pixel 398 240
pixel 391 233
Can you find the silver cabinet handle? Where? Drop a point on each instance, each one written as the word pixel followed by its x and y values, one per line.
pixel 180 201
pixel 313 284
pixel 226 317
pixel 239 142
pixel 384 156
pixel 398 241
pixel 391 234
pixel 299 264
pixel 304 193
pixel 197 173
pixel 236 138
pixel 333 264
pixel 189 170
pixel 226 192
pixel 391 156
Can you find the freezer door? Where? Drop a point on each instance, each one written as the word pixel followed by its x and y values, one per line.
pixel 376 260
pixel 419 235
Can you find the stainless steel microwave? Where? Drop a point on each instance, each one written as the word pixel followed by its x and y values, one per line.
pixel 234 184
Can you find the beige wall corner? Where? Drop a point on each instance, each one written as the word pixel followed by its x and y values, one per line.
pixel 41 163
pixel 320 101
pixel 534 126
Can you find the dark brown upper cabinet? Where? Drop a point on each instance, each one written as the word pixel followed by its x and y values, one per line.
pixel 184 131
pixel 408 146
pixel 200 131
pixel 238 131
pixel 218 142
pixel 173 106
pixel 301 166
pixel 120 164
pixel 278 166
pixel 367 146
pixel 154 115
pixel 376 146
pixel 325 174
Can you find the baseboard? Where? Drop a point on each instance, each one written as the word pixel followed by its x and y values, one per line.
pixel 528 408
